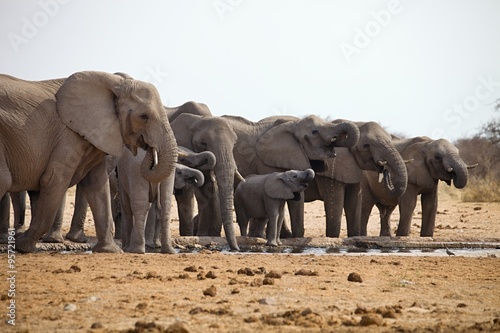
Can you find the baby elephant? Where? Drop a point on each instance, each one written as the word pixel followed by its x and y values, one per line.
pixel 261 196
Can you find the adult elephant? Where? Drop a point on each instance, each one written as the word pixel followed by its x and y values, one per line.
pixel 430 162
pixel 56 133
pixel 209 133
pixel 340 187
pixel 277 144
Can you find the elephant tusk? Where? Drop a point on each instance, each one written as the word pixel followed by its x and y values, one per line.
pixel 450 169
pixel 382 163
pixel 239 176
pixel 155 158
pixel 472 166
pixel 380 177
pixel 408 161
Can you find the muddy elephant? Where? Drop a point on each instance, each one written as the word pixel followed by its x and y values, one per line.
pixel 429 161
pixel 296 144
pixel 263 197
pixel 56 133
pixel 340 187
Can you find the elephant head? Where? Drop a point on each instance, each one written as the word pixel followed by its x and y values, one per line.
pixel 374 151
pixel 214 134
pixel 312 136
pixel 204 160
pixel 286 185
pixel 186 176
pixel 111 110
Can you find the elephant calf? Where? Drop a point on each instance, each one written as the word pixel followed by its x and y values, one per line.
pixel 261 196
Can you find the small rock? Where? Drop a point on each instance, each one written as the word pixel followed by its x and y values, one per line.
pixel 211 275
pixel 274 275
pixel 191 269
pixel 246 271
pixel 200 276
pixel 93 299
pixel 96 325
pixel 461 305
pixel 141 306
pixel 371 319
pixel 354 277
pixel 306 272
pixel 151 275
pixel 75 268
pixel 257 282
pixel 235 291
pixel 70 307
pixel 478 208
pixel 177 327
pixel 268 281
pixel 211 291
pixel 251 319
pixel 267 301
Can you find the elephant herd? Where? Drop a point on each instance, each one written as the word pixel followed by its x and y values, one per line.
pixel 110 135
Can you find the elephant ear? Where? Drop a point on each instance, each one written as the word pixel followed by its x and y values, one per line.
pixel 276 188
pixel 418 170
pixel 182 127
pixel 278 148
pixel 86 104
pixel 343 167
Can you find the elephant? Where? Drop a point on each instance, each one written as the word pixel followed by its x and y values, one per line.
pixel 297 144
pixel 215 199
pixel 185 178
pixel 429 162
pixel 56 133
pixel 340 187
pixel 264 196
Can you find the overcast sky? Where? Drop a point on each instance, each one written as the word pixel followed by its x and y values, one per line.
pixel 417 67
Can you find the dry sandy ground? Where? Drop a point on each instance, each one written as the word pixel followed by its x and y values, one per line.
pixel 210 291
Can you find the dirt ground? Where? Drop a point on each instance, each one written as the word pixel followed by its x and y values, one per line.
pixel 213 291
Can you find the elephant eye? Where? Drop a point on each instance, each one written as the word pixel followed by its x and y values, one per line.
pixel 366 146
pixel 438 157
pixel 204 144
pixel 315 131
pixel 144 117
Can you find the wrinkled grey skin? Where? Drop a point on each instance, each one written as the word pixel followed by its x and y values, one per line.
pixel 264 197
pixel 215 198
pixel 136 194
pixel 185 178
pixel 56 133
pixel 429 161
pixel 340 187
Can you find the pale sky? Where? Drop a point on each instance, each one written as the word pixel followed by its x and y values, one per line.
pixel 417 67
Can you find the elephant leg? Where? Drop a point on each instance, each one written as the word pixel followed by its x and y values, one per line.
pixel 151 224
pixel 281 220
pixel 385 219
pixel 165 193
pixel 45 205
pixel 367 203
pixel 115 203
pixel 272 229
pixel 257 227
pixel 137 241
pixel 76 232
pixel 242 219
pixel 407 204
pixel 429 211
pixel 19 205
pixel 127 219
pixel 209 217
pixel 352 207
pixel 95 187
pixel 4 218
pixel 296 209
pixel 185 209
pixel 54 235
pixel 334 205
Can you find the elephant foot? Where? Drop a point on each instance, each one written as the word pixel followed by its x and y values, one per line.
pixel 273 243
pixel 140 249
pixel 25 244
pixel 20 229
pixel 106 247
pixel 154 245
pixel 77 236
pixel 53 237
pixel 168 250
pixel 285 233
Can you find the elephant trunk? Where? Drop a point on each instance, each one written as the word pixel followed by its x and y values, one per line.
pixel 161 156
pixel 345 134
pixel 225 170
pixel 458 170
pixel 393 169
